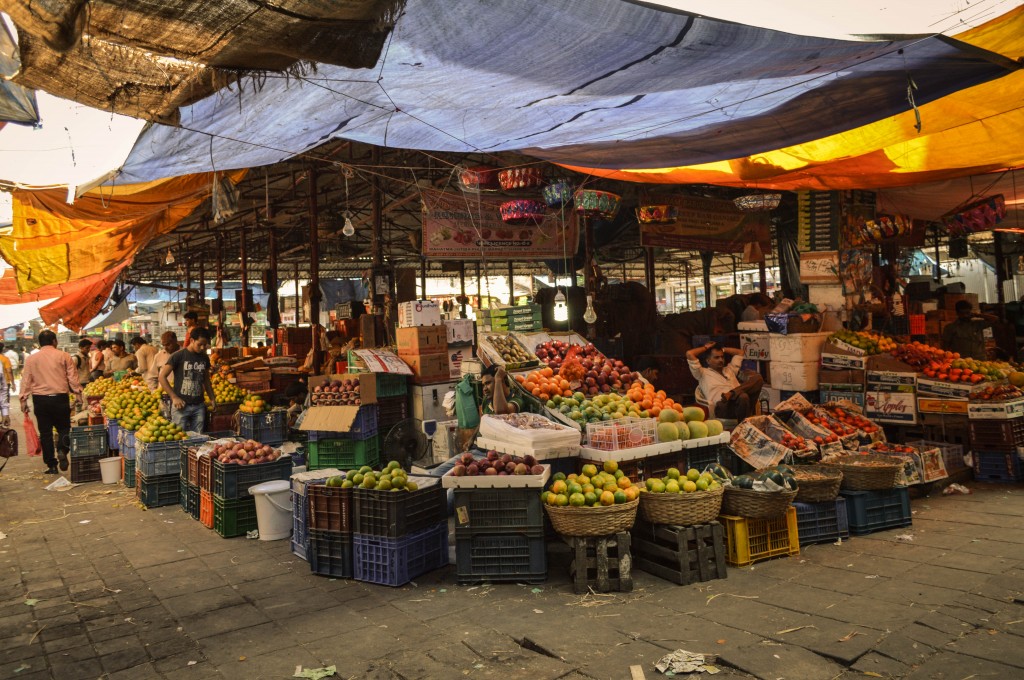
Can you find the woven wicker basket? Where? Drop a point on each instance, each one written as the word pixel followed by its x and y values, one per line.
pixel 601 521
pixel 817 490
pixel 868 471
pixel 682 509
pixel 756 504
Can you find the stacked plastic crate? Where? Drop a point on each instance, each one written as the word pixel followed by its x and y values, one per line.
pixel 88 446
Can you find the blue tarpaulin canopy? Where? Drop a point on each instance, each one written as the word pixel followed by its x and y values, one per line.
pixel 602 83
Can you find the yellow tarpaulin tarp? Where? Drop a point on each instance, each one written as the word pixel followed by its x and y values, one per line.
pixel 53 242
pixel 976 130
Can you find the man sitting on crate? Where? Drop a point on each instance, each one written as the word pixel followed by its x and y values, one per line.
pixel 191 368
pixel 721 385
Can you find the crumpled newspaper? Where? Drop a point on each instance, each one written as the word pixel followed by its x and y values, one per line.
pixel 682 661
pixel 59 484
pixel 315 673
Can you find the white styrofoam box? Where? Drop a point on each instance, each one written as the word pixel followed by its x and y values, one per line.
pixel 756 346
pixel 539 454
pixel 450 481
pixel 826 294
pixel 419 313
pixel 460 331
pixel 428 401
pixel 797 348
pixel 472 367
pixel 752 326
pixel 798 376
pixel 456 357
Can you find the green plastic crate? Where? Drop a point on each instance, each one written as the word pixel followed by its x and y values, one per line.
pixel 234 517
pixel 129 473
pixel 343 454
pixel 391 385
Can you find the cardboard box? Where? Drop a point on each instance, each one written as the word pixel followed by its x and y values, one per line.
pixel 460 331
pixel 419 313
pixel 422 340
pixel 428 369
pixel 837 354
pixel 796 376
pixel 995 410
pixel 797 347
pixel 367 388
pixel 933 405
pixel 456 357
pixel 890 407
pixel 891 381
pixel 845 376
pixel 755 346
pixel 828 395
pixel 944 388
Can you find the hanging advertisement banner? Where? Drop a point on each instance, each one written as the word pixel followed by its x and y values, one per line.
pixel 706 224
pixel 459 226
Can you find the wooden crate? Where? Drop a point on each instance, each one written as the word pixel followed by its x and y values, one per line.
pixel 601 563
pixel 682 555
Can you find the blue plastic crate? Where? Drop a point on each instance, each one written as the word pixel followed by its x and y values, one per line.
pixel 330 554
pixel 112 432
pixel 997 467
pixel 363 427
pixel 89 441
pixel 126 440
pixel 300 517
pixel 870 511
pixel 266 428
pixel 500 556
pixel 396 561
pixel 822 522
pixel 163 458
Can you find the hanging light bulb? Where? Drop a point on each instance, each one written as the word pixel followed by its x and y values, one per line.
pixel 349 229
pixel 170 257
pixel 561 311
pixel 590 316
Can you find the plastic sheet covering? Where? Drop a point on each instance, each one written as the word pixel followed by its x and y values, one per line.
pixel 17 103
pixel 641 87
pixel 528 430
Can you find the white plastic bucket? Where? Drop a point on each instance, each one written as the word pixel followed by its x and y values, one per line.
pixel 110 469
pixel 273 509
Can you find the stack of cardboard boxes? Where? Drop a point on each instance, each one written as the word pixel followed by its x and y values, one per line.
pixel 460 345
pixel 524 318
pixel 425 349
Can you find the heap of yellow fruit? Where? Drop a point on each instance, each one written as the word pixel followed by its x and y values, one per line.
pixel 133 407
pixel 591 488
pixel 99 387
pixel 253 404
pixel 159 429
pixel 226 392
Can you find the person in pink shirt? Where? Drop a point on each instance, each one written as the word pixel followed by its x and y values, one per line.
pixel 49 377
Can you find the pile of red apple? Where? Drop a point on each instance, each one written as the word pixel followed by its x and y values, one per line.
pixel 599 370
pixel 997 393
pixel 794 442
pixel 496 464
pixel 337 393
pixel 886 447
pixel 919 355
pixel 248 452
pixel 833 426
pixel 853 420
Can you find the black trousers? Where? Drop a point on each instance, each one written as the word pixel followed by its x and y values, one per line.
pixel 53 412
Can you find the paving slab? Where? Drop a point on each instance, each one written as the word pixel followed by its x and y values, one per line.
pixel 948 665
pixel 770 661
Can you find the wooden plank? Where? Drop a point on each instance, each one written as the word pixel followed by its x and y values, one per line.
pixel 636 673
pixel 601 547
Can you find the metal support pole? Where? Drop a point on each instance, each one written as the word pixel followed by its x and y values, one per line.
pixel 735 277
pixel 188 272
pixel 511 284
pixel 706 258
pixel 298 297
pixel 245 283
pixel 589 280
pixel 1000 273
pixel 938 267
pixel 220 277
pixel 202 280
pixel 462 290
pixel 314 269
pixel 423 279
pixel 649 269
pixel 272 279
pixel 479 287
pixel 763 273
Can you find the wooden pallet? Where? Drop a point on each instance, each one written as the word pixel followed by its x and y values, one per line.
pixel 678 554
pixel 601 563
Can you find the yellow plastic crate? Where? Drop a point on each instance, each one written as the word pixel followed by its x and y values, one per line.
pixel 749 540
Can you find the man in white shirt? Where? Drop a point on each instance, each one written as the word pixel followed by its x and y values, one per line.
pixel 144 353
pixel 169 345
pixel 727 396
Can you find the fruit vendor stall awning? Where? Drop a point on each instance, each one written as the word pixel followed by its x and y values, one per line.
pixel 601 83
pixel 975 130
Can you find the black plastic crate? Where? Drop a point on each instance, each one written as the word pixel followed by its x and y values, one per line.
pixel 157 492
pixel 128 473
pixel 1003 436
pixel 822 522
pixel 396 561
pixel 390 411
pixel 234 517
pixel 266 428
pixel 997 467
pixel 682 555
pixel 700 457
pixel 363 427
pixel 330 553
pixel 870 511
pixel 231 480
pixel 391 385
pixel 392 514
pixel 498 509
pixel 89 441
pixel 734 463
pixel 500 556
pixel 329 508
pixel 85 470
pixel 188 498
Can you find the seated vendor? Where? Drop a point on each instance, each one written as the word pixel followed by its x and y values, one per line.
pixel 497 401
pixel 729 392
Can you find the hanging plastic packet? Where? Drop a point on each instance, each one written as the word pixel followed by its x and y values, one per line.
pixel 224 200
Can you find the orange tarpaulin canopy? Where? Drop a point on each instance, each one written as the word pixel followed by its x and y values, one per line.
pixel 53 242
pixel 77 308
pixel 976 130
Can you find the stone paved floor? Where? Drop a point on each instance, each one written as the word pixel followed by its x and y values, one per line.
pixel 93 586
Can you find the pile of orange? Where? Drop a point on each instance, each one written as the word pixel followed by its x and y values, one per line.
pixel 544 384
pixel 650 400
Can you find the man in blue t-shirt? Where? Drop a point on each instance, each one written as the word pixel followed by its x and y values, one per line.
pixel 191 368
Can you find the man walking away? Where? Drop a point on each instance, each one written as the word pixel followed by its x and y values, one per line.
pixel 191 369
pixel 168 346
pixel 50 375
pixel 8 368
pixel 83 361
